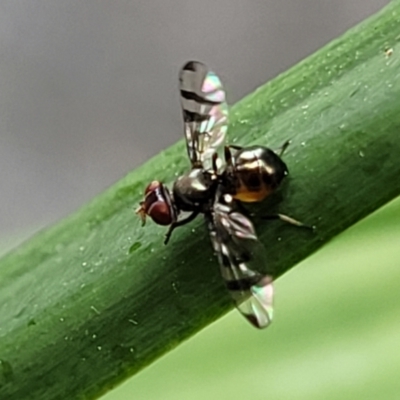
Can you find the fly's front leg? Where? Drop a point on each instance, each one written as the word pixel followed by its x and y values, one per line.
pixel 182 222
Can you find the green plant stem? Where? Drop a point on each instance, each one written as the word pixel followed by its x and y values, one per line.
pixel 92 300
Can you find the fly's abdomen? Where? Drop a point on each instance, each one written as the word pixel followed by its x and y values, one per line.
pixel 258 171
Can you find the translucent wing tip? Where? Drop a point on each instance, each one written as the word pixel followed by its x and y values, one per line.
pixel 258 307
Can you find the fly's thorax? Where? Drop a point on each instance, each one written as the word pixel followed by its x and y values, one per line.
pixel 257 171
pixel 193 189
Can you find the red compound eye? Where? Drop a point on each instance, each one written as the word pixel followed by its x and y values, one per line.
pixel 160 212
pixel 157 204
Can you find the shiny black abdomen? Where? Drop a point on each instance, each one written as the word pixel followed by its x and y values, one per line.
pixel 256 171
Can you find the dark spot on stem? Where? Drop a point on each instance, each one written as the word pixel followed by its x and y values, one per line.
pixel 134 247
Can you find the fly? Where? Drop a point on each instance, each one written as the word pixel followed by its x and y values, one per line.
pixel 216 186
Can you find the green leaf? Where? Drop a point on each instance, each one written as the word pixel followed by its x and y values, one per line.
pixel 96 298
pixel 335 335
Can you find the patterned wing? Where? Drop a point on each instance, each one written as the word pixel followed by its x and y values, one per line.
pixel 237 247
pixel 205 113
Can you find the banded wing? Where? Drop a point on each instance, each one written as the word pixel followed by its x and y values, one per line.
pixel 205 113
pixel 238 249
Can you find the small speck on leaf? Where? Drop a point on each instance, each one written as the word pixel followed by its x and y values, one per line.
pixel 174 287
pixel 95 310
pixel 134 247
pixel 354 91
pixel 388 52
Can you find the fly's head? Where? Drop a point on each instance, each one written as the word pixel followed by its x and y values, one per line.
pixel 157 204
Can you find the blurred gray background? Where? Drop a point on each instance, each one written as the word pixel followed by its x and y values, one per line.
pixel 88 89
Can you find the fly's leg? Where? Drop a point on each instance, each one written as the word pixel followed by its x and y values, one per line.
pixel 283 148
pixel 285 218
pixel 214 164
pixel 233 146
pixel 243 210
pixel 282 217
pixel 288 220
pixel 142 214
pixel 228 155
pixel 182 222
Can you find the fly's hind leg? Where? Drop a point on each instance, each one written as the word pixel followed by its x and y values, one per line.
pixel 235 147
pixel 289 220
pixel 285 218
pixel 283 148
pixel 182 222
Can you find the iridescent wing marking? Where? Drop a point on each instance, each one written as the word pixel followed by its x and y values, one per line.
pixel 237 247
pixel 205 113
